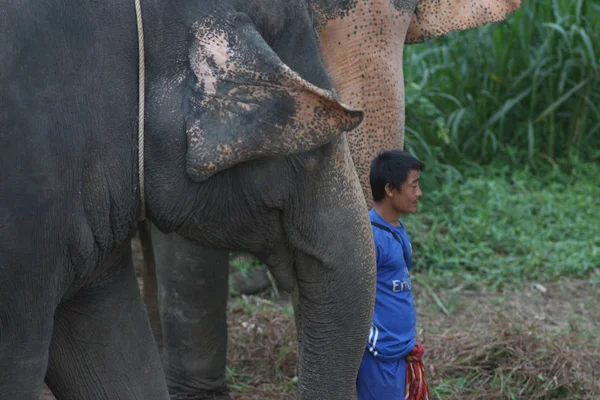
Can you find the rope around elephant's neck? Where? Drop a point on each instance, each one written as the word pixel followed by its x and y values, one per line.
pixel 141 93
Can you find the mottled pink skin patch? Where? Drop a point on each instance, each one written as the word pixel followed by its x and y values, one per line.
pixel 212 45
pixel 435 18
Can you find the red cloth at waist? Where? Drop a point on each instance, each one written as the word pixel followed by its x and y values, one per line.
pixel 416 382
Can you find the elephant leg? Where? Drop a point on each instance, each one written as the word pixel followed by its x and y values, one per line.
pixel 102 346
pixel 27 302
pixel 149 283
pixel 192 282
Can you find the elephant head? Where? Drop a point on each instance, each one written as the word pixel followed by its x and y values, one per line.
pixel 246 151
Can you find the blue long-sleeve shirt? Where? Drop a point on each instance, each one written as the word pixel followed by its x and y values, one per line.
pixel 393 330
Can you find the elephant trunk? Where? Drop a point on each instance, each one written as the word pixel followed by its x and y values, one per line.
pixel 334 285
pixel 333 311
pixel 363 55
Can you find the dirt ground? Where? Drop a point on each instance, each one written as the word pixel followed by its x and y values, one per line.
pixel 542 340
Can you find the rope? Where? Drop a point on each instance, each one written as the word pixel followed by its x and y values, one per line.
pixel 416 378
pixel 141 91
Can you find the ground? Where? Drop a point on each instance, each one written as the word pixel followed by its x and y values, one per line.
pixel 540 342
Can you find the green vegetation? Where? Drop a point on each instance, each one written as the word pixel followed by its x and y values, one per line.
pixel 492 227
pixel 523 91
pixel 244 264
pixel 507 117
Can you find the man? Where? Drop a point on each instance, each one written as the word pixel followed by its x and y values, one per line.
pixel 391 367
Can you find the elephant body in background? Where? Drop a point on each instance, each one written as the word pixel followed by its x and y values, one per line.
pixel 244 150
pixel 361 45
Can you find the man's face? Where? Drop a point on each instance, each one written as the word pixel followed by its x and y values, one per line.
pixel 405 200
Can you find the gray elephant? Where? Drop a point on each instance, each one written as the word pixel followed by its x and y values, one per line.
pixel 243 150
pixel 361 45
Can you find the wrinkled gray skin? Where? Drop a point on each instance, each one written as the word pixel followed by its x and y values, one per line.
pixel 271 177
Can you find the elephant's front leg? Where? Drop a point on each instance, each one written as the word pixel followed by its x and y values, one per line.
pixel 192 290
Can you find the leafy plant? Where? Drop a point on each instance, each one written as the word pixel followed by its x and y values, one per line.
pixel 526 91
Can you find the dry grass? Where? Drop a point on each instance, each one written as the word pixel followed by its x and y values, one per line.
pixel 510 359
pixel 262 349
pixel 513 362
pixel 526 345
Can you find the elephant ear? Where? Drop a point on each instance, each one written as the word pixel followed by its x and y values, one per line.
pixel 247 104
pixel 435 18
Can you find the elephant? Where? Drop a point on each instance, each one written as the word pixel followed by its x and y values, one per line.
pixel 220 125
pixel 361 45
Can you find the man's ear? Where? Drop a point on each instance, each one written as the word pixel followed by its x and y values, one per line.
pixel 434 18
pixel 389 190
pixel 246 103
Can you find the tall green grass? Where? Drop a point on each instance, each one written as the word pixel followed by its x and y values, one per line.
pixel 526 90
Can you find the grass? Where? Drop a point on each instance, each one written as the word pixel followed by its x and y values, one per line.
pixel 523 91
pixel 262 351
pixel 519 96
pixel 506 345
pixel 491 228
pixel 244 263
pixel 514 345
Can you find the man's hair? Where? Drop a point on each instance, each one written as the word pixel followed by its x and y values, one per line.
pixel 391 167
